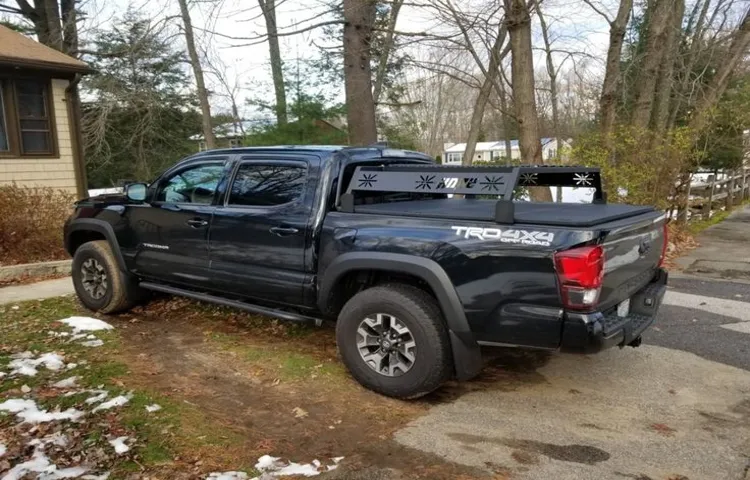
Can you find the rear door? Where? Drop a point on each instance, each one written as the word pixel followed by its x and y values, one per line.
pixel 632 250
pixel 258 236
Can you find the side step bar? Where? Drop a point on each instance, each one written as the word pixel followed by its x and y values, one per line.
pixel 205 297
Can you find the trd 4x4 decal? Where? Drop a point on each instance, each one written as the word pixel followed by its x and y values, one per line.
pixel 523 237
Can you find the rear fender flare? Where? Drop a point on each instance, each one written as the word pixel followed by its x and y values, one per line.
pixel 99 226
pixel 466 354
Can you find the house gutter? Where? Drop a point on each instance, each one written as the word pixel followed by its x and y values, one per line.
pixel 76 137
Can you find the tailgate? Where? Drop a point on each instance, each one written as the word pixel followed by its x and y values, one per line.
pixel 632 251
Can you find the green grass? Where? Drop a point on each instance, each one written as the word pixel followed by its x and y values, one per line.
pixel 160 435
pixel 718 217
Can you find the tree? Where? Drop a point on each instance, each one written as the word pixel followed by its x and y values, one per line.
pixel 195 63
pixel 359 18
pixel 612 82
pixel 268 7
pixel 135 122
pixel 552 73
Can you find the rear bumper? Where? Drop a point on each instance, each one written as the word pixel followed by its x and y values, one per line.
pixel 594 332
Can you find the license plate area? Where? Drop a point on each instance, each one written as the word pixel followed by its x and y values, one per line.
pixel 623 309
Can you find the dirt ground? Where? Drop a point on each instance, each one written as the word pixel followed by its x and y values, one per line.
pixel 280 389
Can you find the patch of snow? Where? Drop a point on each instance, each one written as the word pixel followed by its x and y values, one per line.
pixel 69 382
pixel 25 388
pixel 15 307
pixel 70 472
pixel 77 336
pixel 93 343
pixel 91 337
pixel 40 464
pixel 26 354
pixel 71 366
pixel 153 408
pixel 2 449
pixel 119 445
pixel 25 364
pixel 58 334
pixel 2 374
pixel 115 402
pixel 103 476
pixel 56 438
pixel 28 412
pixel 100 396
pixel 86 324
pixel 227 476
pixel 275 467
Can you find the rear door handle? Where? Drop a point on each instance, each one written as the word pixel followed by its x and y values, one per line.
pixel 283 231
pixel 197 222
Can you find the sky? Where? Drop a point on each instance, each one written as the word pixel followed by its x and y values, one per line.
pixel 221 25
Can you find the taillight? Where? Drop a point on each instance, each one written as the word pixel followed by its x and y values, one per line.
pixel 664 245
pixel 580 272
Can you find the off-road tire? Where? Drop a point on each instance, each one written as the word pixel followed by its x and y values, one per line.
pixel 122 291
pixel 419 312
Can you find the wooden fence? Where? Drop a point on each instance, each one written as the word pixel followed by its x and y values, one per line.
pixel 721 191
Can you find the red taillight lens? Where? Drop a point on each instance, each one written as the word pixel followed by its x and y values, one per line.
pixel 664 245
pixel 580 272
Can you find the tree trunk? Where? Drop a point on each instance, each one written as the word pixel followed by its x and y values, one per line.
pixel 552 73
pixel 663 94
pixel 506 122
pixel 483 97
pixel 714 90
pixel 69 28
pixel 657 30
pixel 612 81
pixel 208 133
pixel 359 18
pixel 54 29
pixel 268 7
pixel 387 47
pixel 695 42
pixel 518 21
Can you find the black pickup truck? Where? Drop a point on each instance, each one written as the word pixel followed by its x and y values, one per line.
pixel 419 264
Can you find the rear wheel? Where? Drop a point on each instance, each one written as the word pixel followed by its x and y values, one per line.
pixel 99 283
pixel 393 340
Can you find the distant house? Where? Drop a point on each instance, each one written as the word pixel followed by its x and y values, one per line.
pixel 453 153
pixel 39 130
pixel 233 134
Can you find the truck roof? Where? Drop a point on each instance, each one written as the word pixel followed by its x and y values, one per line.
pixel 354 153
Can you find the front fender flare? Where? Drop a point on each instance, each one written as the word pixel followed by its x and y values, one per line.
pixel 466 353
pixel 99 226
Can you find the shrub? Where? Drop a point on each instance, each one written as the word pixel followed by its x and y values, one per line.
pixel 31 224
pixel 636 169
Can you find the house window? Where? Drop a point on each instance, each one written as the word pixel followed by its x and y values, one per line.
pixel 26 123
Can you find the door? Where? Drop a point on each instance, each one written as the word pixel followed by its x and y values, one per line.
pixel 172 230
pixel 257 239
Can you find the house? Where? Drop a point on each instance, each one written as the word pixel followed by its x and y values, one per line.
pixel 453 153
pixel 40 142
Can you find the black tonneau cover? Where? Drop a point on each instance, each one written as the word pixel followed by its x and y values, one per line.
pixel 576 215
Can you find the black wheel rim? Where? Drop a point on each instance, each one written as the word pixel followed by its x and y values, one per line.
pixel 386 345
pixel 94 278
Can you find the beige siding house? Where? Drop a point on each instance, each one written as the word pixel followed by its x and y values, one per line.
pixel 39 123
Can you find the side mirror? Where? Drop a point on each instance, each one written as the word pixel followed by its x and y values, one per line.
pixel 136 192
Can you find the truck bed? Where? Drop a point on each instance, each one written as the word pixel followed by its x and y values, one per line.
pixel 576 215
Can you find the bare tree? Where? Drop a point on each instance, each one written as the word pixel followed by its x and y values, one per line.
pixel 387 47
pixel 268 7
pixel 658 22
pixel 195 63
pixel 359 18
pixel 663 93
pixel 737 50
pixel 552 73
pixel 518 21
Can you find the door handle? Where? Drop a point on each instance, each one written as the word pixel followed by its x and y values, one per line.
pixel 197 222
pixel 283 231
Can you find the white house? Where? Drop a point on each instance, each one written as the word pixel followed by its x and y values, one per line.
pixel 453 153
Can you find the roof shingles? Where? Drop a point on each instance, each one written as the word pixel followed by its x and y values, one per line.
pixel 19 50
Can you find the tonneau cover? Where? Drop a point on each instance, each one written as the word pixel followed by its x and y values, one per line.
pixel 577 215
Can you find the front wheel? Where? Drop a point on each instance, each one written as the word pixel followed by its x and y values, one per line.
pixel 394 341
pixel 99 283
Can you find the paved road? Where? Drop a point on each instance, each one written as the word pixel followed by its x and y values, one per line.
pixel 678 407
